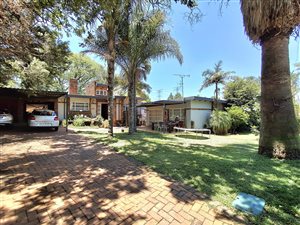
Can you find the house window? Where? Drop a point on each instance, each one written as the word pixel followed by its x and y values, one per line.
pixel 176 112
pixel 101 92
pixel 155 115
pixel 118 111
pixel 80 106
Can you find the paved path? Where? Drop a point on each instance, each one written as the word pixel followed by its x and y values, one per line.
pixel 59 178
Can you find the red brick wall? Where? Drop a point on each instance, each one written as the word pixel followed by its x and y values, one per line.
pixel 73 87
pixel 90 89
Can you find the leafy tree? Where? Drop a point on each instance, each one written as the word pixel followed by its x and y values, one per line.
pixel 171 97
pixel 270 24
pixel 239 118
pixel 85 70
pixel 244 92
pixel 34 75
pixel 52 57
pixel 215 77
pixel 220 122
pixel 178 96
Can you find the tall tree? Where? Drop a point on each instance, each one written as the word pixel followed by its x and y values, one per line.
pixel 270 24
pixel 178 96
pixel 103 40
pixel 147 40
pixel 171 97
pixel 244 92
pixel 85 70
pixel 215 77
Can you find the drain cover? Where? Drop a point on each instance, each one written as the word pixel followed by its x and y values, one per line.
pixel 249 203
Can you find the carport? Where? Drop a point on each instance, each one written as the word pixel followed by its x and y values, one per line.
pixel 20 101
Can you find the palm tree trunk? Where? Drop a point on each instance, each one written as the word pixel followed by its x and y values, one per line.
pixel 279 132
pixel 110 79
pixel 217 96
pixel 134 102
pixel 131 105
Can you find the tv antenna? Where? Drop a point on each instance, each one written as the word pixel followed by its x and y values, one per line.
pixel 182 76
pixel 159 91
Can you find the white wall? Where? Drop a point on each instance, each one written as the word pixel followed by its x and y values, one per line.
pixel 200 112
pixel 62 108
pixel 94 109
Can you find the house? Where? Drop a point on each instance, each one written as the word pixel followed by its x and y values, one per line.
pixel 94 102
pixel 194 112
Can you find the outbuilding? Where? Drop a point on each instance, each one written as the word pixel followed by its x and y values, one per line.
pixel 20 102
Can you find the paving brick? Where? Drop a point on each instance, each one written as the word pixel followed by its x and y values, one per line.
pixel 60 178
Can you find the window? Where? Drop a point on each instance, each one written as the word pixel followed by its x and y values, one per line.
pixel 155 115
pixel 101 92
pixel 118 111
pixel 80 106
pixel 176 112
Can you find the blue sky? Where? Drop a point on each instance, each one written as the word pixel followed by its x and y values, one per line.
pixel 216 37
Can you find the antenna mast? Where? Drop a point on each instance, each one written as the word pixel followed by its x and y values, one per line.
pixel 181 82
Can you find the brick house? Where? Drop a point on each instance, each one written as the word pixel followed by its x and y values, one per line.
pixel 95 102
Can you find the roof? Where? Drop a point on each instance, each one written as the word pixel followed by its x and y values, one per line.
pixel 197 98
pixel 175 102
pixel 95 96
pixel 26 93
pixel 161 102
pixel 89 96
pixel 101 85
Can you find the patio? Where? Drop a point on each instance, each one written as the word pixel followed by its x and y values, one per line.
pixel 66 178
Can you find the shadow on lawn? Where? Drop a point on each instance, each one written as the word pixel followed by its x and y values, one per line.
pixel 224 171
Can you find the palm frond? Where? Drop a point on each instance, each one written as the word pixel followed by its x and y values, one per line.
pixel 270 17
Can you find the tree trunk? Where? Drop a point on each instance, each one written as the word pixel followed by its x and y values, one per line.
pixel 279 132
pixel 134 101
pixel 217 96
pixel 131 105
pixel 110 80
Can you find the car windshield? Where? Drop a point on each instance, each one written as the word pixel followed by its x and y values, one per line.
pixel 4 111
pixel 43 113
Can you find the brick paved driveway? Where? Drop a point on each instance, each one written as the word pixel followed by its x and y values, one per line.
pixel 63 178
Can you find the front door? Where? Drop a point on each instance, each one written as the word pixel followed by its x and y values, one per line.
pixel 104 111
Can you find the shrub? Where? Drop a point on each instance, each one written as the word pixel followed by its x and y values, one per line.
pixel 78 122
pixel 64 123
pixel 98 121
pixel 220 122
pixel 239 118
pixel 105 124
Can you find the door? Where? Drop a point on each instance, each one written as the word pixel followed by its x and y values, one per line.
pixel 104 111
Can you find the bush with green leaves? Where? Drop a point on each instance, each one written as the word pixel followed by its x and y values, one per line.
pixel 98 121
pixel 78 122
pixel 220 122
pixel 239 118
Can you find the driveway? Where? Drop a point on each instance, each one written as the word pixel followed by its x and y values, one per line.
pixel 52 177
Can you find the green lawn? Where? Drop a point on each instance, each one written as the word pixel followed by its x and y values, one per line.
pixel 220 166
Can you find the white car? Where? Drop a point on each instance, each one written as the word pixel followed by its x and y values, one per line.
pixel 5 117
pixel 43 118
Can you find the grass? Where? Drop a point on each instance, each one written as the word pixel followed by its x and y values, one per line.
pixel 221 167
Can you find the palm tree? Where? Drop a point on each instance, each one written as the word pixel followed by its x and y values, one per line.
pixel 146 41
pixel 215 77
pixel 104 40
pixel 270 24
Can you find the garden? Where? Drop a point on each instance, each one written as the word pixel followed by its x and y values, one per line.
pixel 220 166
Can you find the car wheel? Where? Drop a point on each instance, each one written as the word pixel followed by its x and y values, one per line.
pixel 56 128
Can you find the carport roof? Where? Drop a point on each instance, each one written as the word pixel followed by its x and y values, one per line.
pixel 15 92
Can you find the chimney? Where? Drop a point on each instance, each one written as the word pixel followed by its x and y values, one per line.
pixel 73 87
